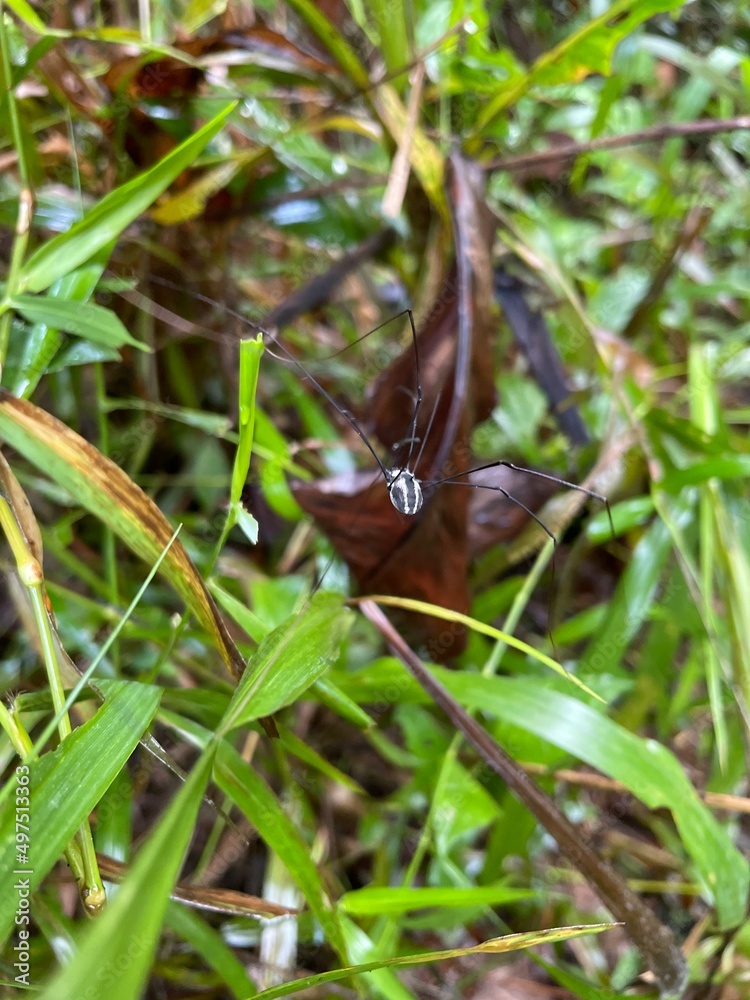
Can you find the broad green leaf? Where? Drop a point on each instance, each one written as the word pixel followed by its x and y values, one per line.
pixel 103 488
pixel 66 784
pixel 385 681
pixel 644 766
pixel 726 467
pixel 208 942
pixel 627 514
pixel 116 955
pixel 85 319
pixel 289 660
pixel 41 344
pixel 113 213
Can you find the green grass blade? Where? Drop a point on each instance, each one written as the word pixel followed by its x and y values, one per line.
pixel 116 956
pixel 104 223
pixel 495 946
pixel 66 784
pixel 85 319
pixel 377 900
pixel 42 342
pixel 250 355
pixel 256 800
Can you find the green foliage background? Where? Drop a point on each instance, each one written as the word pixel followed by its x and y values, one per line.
pixel 259 166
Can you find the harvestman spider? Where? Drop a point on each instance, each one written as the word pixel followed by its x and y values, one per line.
pixel 405 489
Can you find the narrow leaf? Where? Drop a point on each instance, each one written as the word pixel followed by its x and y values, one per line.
pixel 250 355
pixel 113 213
pixel 495 946
pixel 85 319
pixel 115 958
pixel 66 784
pixel 289 660
pixel 378 899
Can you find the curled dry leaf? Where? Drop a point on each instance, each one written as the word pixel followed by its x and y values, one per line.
pixel 23 512
pixel 178 78
pixel 228 901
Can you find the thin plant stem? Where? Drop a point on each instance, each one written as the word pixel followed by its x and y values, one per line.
pixel 26 198
pixel 391 929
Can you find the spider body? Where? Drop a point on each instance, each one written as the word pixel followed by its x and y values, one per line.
pixel 405 491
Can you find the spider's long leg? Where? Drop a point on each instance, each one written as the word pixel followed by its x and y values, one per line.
pixel 529 472
pixel 497 489
pixel 418 401
pixel 424 440
pixel 363 337
pixel 346 414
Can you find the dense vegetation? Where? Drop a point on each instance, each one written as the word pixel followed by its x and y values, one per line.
pixel 344 736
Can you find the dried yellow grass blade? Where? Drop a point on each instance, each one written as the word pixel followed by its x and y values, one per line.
pixel 107 492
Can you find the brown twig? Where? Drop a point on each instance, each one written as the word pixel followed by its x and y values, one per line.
pixel 696 221
pixel 658 133
pixel 588 779
pixel 654 940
